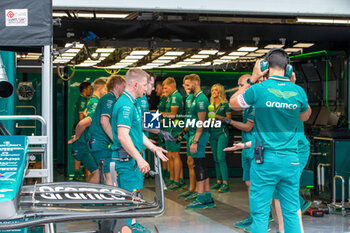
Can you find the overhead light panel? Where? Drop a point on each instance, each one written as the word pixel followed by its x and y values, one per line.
pixel 128 61
pixel 111 16
pixel 293 50
pixel 303 45
pixel 271 46
pixel 199 56
pixel 68 54
pixel 254 55
pixel 59 14
pixel 262 51
pixel 139 52
pixel 101 54
pixel 209 52
pixel 247 49
pixel 133 57
pixel 77 45
pixel 174 53
pixel 229 57
pixel 64 58
pixel 124 63
pixel 166 58
pixel 105 50
pixel 193 60
pixel 60 61
pixel 161 61
pixel 115 67
pixel 184 63
pixel 221 53
pixel 205 64
pixel 73 51
pixel 324 20
pixel 238 53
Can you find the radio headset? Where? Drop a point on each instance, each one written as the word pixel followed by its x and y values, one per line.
pixel 264 65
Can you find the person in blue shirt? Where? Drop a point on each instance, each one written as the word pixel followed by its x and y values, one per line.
pixel 129 139
pixel 279 104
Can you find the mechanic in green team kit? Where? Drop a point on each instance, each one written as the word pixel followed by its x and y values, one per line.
pixel 219 137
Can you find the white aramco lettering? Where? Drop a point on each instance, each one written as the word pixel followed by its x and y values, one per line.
pixel 281 105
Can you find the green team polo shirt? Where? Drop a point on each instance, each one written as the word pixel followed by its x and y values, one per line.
pixel 278 103
pixel 174 100
pixel 127 114
pixel 200 103
pixel 92 104
pixel 303 143
pixel 221 110
pixel 79 107
pixel 142 104
pixel 162 103
pixel 84 137
pixel 103 108
pixel 248 114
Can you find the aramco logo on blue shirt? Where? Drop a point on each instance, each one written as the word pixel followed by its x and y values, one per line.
pixel 151 120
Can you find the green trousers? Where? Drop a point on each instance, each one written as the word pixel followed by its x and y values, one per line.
pixel 280 172
pixel 219 141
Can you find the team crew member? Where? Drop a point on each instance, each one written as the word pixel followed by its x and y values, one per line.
pixel 79 108
pixel 100 131
pixel 191 193
pixel 173 108
pixel 82 128
pixel 129 139
pixel 303 154
pixel 81 153
pixel 161 108
pixel 246 126
pixel 219 137
pixel 278 99
pixel 198 139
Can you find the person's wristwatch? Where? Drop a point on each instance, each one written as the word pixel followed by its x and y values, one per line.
pixel 245 146
pixel 195 142
pixel 249 82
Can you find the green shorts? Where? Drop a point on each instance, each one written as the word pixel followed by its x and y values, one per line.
pixel 129 175
pixel 105 155
pixel 81 153
pixel 247 158
pixel 172 146
pixel 202 143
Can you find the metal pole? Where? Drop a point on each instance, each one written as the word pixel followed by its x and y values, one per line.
pixel 46 106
